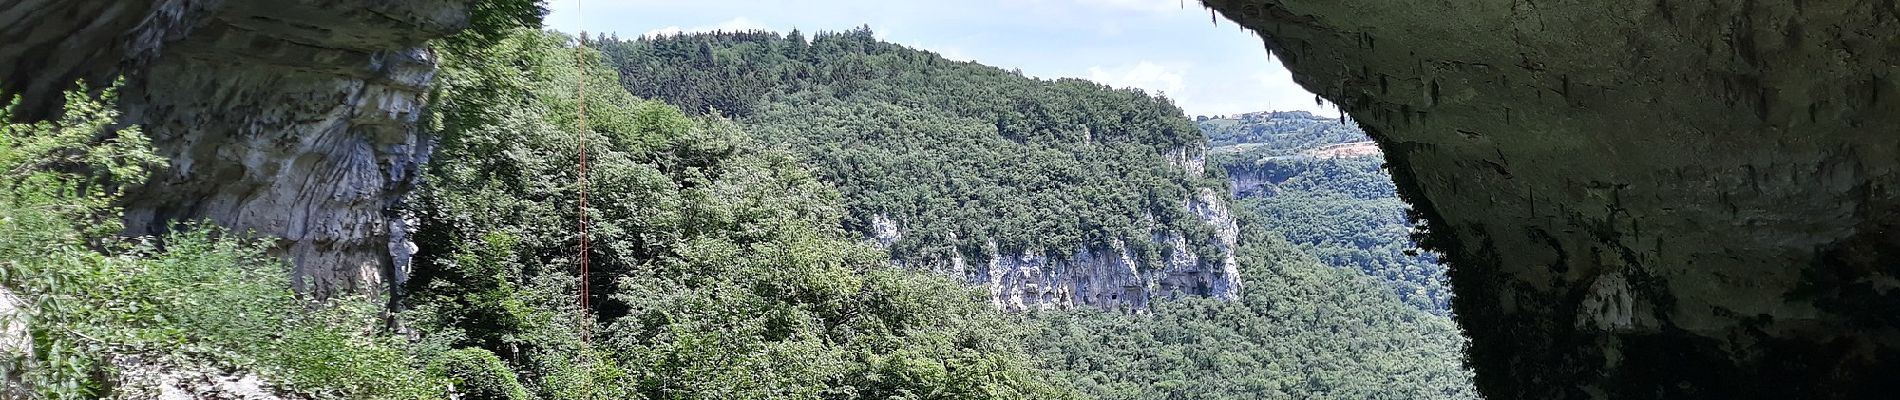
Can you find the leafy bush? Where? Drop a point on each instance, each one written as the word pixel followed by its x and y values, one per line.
pixel 476 374
pixel 204 296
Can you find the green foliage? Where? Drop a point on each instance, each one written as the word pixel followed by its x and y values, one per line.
pixel 204 296
pixel 1302 331
pixel 959 154
pixel 1345 211
pixel 1278 132
pixel 476 374
pixel 719 270
pixel 492 20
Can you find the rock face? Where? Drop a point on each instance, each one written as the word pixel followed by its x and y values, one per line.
pixel 293 119
pixel 1110 277
pixel 16 343
pixel 159 378
pixel 1638 199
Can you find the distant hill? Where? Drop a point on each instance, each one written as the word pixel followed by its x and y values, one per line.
pixel 1321 184
pixel 1278 132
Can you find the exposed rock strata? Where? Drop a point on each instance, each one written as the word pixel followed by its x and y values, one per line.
pixel 1639 199
pixel 294 119
pixel 1108 276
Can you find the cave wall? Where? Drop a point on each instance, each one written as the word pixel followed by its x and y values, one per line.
pixel 292 119
pixel 1638 199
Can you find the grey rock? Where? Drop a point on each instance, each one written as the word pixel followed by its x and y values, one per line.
pixel 1638 199
pixel 162 378
pixel 290 119
pixel 1105 276
pixel 16 343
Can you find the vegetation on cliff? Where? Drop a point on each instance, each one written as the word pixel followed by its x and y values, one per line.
pixel 958 154
pixel 719 267
pixel 941 145
pixel 199 297
pixel 1343 210
pixel 1302 331
pixel 725 263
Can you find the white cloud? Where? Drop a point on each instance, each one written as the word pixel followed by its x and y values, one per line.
pixel 1145 75
pixel 733 25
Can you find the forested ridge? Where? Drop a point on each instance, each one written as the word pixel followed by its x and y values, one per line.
pixel 960 154
pixel 1300 330
pixel 1344 210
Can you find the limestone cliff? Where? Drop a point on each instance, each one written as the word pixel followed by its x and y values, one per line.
pixel 1111 276
pixel 293 119
pixel 1638 199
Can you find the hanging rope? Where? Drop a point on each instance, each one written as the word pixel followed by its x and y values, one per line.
pixel 580 62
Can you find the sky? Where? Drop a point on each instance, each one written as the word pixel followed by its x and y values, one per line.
pixel 1173 47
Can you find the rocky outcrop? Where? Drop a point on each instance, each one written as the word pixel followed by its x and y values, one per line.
pixel 16 344
pixel 162 378
pixel 1108 276
pixel 293 119
pixel 1638 199
pixel 132 376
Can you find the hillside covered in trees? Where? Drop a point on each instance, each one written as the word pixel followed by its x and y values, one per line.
pixel 959 167
pixel 976 150
pixel 961 153
pixel 1343 210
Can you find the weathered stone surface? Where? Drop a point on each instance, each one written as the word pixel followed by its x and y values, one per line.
pixel 1639 199
pixel 162 378
pixel 16 343
pixel 293 119
pixel 1108 277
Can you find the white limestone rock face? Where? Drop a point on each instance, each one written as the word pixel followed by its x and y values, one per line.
pixel 1110 276
pixel 16 343
pixel 162 378
pixel 292 119
pixel 884 230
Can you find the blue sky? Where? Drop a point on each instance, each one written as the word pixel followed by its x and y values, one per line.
pixel 1208 68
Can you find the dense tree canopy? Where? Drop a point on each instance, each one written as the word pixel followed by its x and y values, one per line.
pixel 959 154
pixel 1278 132
pixel 1302 331
pixel 719 268
pixel 1343 210
pixel 963 151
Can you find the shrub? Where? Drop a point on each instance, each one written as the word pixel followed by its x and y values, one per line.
pixel 477 374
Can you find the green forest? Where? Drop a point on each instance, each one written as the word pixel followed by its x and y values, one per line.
pixel 923 148
pixel 1343 210
pixel 962 154
pixel 732 180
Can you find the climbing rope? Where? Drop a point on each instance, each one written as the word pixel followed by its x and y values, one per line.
pixel 580 62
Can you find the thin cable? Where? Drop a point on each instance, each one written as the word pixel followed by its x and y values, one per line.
pixel 580 63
